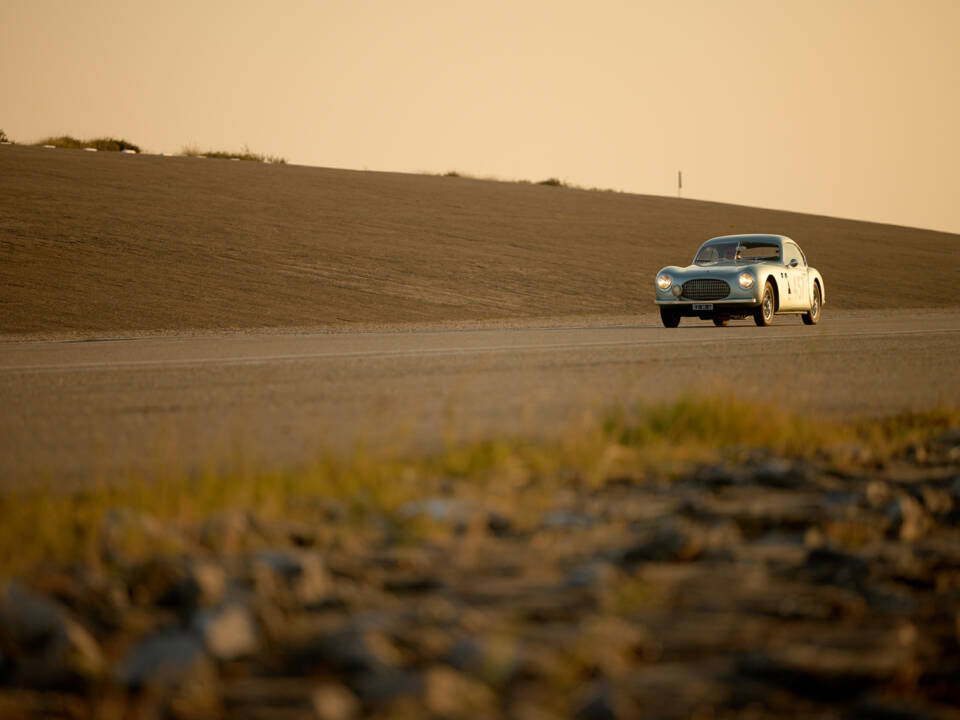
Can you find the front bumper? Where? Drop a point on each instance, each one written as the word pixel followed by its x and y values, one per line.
pixel 728 306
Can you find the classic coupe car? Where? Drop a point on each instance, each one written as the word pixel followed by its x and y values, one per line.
pixel 740 276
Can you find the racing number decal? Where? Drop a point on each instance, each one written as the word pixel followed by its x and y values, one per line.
pixel 784 275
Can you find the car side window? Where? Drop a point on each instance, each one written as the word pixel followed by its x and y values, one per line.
pixel 790 253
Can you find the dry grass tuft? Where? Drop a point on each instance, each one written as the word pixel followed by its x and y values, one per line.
pixel 549 182
pixel 39 528
pixel 104 144
pixel 245 154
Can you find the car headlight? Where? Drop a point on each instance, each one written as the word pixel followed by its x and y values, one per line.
pixel 664 281
pixel 746 280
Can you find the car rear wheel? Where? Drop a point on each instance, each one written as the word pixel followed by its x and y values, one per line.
pixel 764 314
pixel 813 317
pixel 720 321
pixel 669 318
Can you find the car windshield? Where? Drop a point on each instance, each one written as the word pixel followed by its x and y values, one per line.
pixel 734 251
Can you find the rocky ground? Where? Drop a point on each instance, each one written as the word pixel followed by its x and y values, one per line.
pixel 765 587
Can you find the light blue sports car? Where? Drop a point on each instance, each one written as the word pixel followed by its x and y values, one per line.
pixel 740 276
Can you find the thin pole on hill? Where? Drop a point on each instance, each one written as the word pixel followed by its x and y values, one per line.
pixel 679 183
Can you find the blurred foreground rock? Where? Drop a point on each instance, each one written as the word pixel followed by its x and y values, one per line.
pixel 775 588
pixel 42 645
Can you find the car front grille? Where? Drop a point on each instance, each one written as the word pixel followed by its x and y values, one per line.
pixel 706 289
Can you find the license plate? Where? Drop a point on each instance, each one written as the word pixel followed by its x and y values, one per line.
pixel 703 306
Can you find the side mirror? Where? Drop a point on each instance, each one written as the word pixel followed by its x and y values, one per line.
pixel 794 262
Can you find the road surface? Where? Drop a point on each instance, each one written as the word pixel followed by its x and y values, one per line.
pixel 80 411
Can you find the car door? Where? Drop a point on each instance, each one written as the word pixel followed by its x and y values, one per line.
pixel 795 271
pixel 803 298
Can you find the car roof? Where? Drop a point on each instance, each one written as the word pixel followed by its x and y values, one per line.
pixel 757 237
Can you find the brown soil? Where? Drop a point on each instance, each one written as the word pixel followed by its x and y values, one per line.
pixel 100 242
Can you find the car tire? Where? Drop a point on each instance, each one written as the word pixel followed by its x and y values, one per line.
pixel 669 318
pixel 813 317
pixel 763 316
pixel 720 321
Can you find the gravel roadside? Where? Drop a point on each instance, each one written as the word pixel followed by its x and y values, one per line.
pixel 767 587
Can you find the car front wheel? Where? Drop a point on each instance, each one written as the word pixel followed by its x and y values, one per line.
pixel 813 317
pixel 764 314
pixel 669 318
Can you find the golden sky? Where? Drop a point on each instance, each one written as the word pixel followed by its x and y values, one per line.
pixel 841 107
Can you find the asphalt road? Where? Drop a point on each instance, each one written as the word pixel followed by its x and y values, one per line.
pixel 80 411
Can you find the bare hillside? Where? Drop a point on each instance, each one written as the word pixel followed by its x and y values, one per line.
pixel 111 242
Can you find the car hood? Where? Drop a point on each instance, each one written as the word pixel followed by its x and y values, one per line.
pixel 725 272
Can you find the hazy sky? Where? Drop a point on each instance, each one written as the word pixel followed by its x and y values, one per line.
pixel 841 107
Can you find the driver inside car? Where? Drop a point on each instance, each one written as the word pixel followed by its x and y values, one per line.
pixel 731 252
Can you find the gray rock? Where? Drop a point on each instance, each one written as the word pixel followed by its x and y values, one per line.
pixel 833 567
pixel 777 472
pixel 445 511
pixel 498 524
pixel 178 583
pixel 723 538
pixel 295 576
pixel 412 582
pixel 332 701
pixel 452 695
pixel 495 659
pixel 777 512
pixel 671 540
pixel 228 632
pixel 850 453
pixel 599 579
pixel 908 520
pixel 226 532
pixel 917 453
pixel 165 659
pixel 597 703
pixel 44 646
pixel 880 707
pixel 566 520
pixel 210 581
pixel 173 668
pixel 878 494
pixel 937 501
pixel 454 513
pixel 718 476
pixel 386 685
pixel 829 673
pixel 351 651
pixel 596 574
pixel 890 599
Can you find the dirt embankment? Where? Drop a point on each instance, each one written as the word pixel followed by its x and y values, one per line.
pixel 110 242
